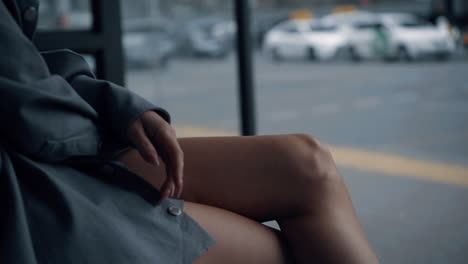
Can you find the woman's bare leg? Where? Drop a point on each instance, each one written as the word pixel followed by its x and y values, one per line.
pixel 288 178
pixel 238 238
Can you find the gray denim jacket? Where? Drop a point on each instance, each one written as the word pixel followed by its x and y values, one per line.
pixel 62 200
pixel 54 107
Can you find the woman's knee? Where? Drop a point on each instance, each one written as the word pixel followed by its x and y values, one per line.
pixel 308 158
pixel 310 164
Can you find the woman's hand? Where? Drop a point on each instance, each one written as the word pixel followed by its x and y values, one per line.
pixel 154 138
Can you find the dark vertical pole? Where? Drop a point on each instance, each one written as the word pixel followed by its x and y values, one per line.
pixel 107 22
pixel 450 10
pixel 245 68
pixel 103 41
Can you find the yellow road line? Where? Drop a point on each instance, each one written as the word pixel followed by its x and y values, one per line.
pixel 370 161
pixel 198 131
pixel 401 166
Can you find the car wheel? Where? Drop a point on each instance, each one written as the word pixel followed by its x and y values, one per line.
pixel 164 62
pixel 388 59
pixel 353 55
pixel 311 54
pixel 223 54
pixel 275 55
pixel 442 57
pixel 403 54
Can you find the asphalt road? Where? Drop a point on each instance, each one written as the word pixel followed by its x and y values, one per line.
pixel 415 115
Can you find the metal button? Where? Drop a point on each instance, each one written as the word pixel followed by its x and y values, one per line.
pixel 30 14
pixel 174 210
pixel 118 164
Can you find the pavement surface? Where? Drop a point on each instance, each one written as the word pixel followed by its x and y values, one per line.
pixel 398 131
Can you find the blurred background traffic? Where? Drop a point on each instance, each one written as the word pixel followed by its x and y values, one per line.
pixel 383 82
pixel 157 31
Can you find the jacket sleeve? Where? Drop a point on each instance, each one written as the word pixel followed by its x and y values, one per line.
pixel 41 115
pixel 117 107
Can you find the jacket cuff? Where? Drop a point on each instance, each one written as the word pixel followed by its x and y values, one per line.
pixel 117 107
pixel 133 114
pixel 127 110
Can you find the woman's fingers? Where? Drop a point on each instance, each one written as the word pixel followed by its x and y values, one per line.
pixel 143 144
pixel 166 190
pixel 174 159
pixel 153 136
pixel 163 136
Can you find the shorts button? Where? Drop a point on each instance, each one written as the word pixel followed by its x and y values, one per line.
pixel 174 210
pixel 30 14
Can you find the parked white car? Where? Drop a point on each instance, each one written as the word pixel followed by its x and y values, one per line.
pixel 410 37
pixel 306 38
pixel 393 36
pixel 362 38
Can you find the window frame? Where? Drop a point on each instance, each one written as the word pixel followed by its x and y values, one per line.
pixel 104 42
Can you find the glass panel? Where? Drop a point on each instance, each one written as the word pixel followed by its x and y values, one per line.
pixel 180 55
pixel 65 15
pixel 384 84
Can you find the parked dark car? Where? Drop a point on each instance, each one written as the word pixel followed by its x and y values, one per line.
pixel 147 43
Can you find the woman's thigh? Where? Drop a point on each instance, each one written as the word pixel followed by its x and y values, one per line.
pixel 251 176
pixel 238 239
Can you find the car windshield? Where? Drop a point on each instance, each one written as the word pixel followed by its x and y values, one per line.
pixel 413 23
pixel 322 28
pixel 410 22
pixel 367 25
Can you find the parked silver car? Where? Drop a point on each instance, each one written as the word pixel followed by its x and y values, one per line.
pixel 304 38
pixel 147 43
pixel 209 37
